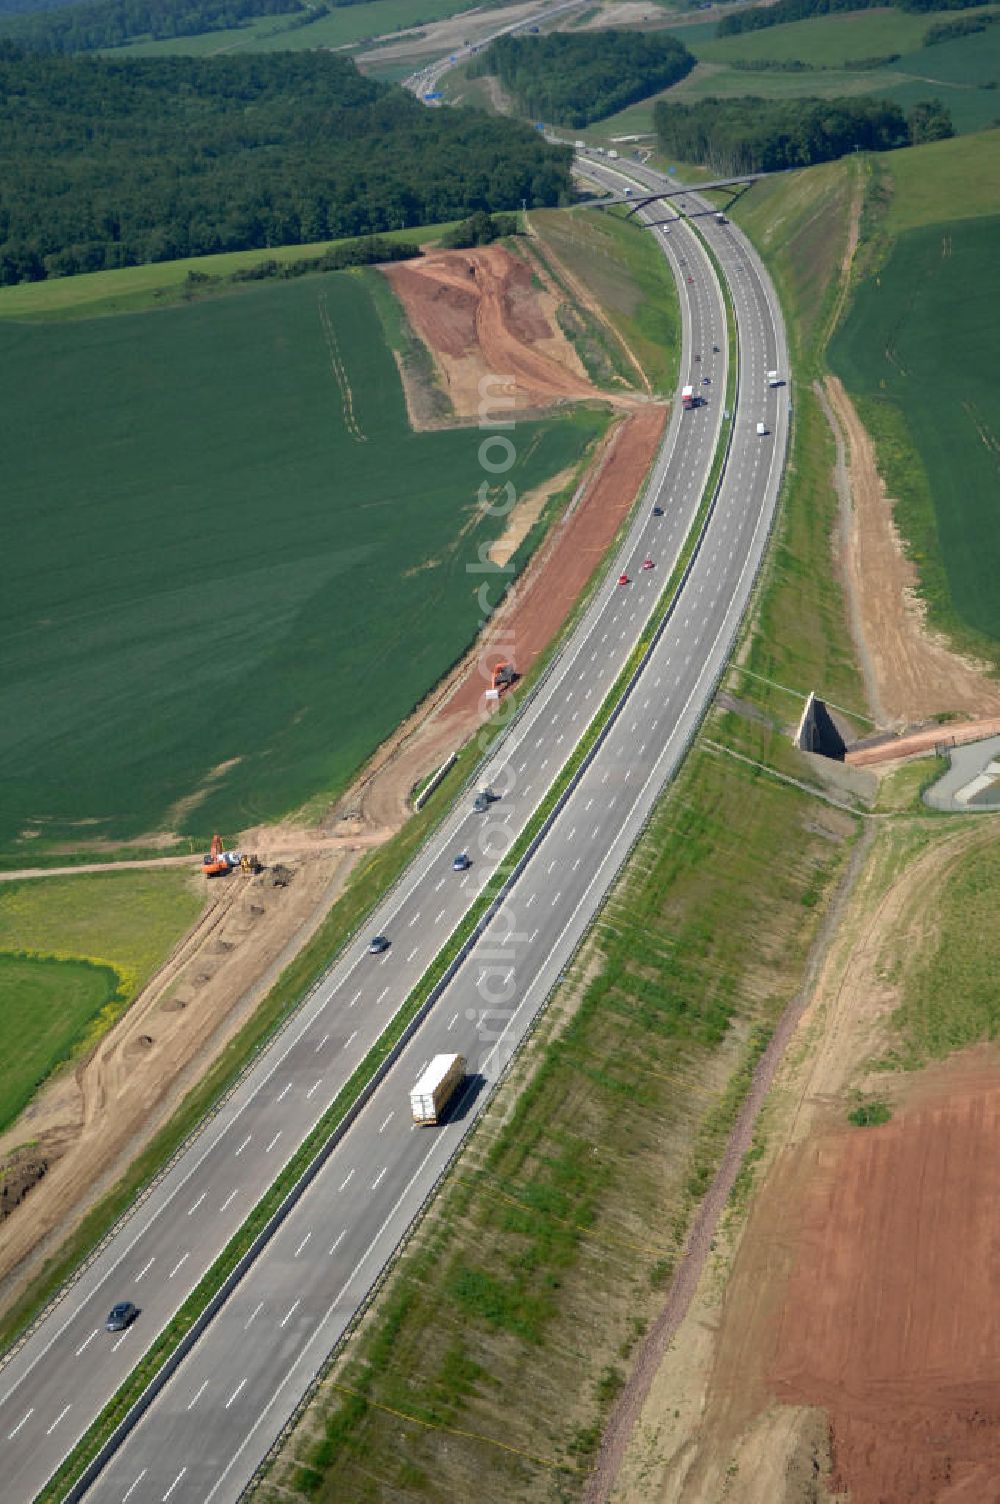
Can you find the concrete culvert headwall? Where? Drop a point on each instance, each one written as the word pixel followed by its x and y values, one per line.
pixel 818 732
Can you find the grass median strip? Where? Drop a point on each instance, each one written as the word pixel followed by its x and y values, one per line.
pixel 269 1205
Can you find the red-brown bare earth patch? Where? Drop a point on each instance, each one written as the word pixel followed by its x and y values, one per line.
pixel 542 603
pixel 480 315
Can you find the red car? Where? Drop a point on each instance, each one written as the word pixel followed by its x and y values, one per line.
pixel 647 563
pixel 623 579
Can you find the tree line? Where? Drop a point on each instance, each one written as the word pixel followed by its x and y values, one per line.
pixel 760 16
pixel 109 162
pixel 769 135
pixel 373 250
pixel 479 229
pixel 571 79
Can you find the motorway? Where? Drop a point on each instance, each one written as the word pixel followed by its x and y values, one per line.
pixel 425 81
pixel 204 1434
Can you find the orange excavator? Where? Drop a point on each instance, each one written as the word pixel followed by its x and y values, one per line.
pixel 217 863
pixel 214 864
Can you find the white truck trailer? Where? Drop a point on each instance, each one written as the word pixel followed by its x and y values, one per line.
pixel 436 1087
pixel 688 398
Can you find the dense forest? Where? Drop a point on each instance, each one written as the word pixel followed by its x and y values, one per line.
pixel 574 79
pixel 86 26
pixel 759 16
pixel 21 7
pixel 108 163
pixel 768 135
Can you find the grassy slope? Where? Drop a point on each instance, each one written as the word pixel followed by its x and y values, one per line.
pixel 227 567
pixel 507 1327
pixel 73 954
pixel 621 268
pixel 799 224
pixel 917 350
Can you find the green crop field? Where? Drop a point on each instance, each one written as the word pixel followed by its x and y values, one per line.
pixel 967 61
pixel 230 568
pixel 717 81
pixel 944 180
pixel 959 72
pixel 338 28
pixel 923 336
pixel 825 41
pixel 74 951
pixel 126 920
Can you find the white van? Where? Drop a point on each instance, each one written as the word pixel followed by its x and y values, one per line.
pixel 761 430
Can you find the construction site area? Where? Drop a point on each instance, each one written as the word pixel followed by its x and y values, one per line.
pixel 264 898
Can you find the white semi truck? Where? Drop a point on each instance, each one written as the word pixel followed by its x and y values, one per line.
pixel 437 1085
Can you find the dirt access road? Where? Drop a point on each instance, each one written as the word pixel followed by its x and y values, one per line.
pixel 84 1128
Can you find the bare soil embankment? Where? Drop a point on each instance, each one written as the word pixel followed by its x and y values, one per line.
pixel 480 315
pixel 916 674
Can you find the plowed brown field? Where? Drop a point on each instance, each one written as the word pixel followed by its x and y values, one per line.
pixel 891 1321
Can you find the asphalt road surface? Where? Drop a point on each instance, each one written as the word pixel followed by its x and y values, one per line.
pixel 205 1433
pixel 426 80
